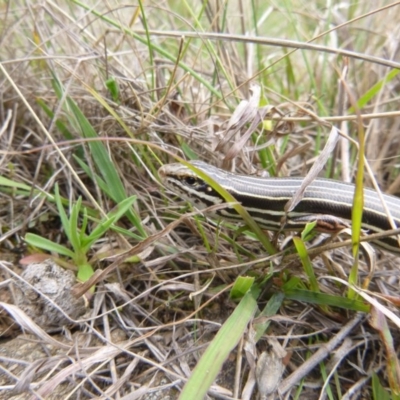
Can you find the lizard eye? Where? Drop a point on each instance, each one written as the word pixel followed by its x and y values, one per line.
pixel 190 180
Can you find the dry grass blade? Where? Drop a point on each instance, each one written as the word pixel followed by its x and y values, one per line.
pixel 315 169
pixel 26 323
pixel 320 355
pixel 105 353
pixel 281 43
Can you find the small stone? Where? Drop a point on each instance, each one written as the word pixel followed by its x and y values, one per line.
pixel 50 280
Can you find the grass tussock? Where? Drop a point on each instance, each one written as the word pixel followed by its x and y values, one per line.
pixel 94 98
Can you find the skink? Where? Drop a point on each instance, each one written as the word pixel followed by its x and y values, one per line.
pixel 327 202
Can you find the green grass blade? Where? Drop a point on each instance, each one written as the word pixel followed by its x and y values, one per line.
pixel 379 392
pixel 374 90
pixel 75 232
pixel 379 322
pixel 306 262
pixel 357 209
pixel 62 214
pixel 105 224
pixel 100 154
pixel 241 286
pixel 226 339
pixel 323 299
pixel 59 124
pixel 45 244
pixel 15 185
pixel 270 309
pixel 104 164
